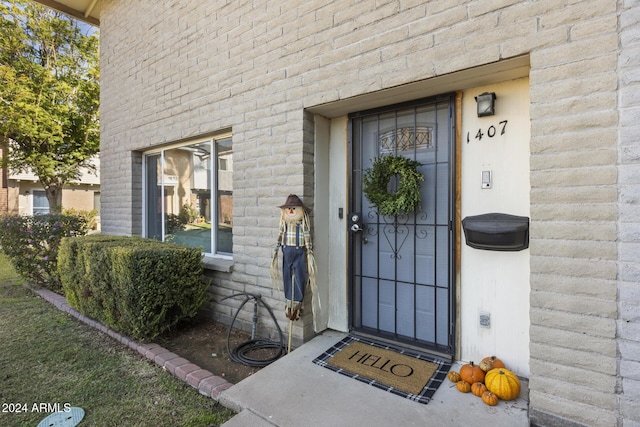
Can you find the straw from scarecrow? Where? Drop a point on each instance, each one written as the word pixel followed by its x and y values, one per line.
pixel 298 262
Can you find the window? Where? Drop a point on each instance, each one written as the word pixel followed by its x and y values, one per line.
pixel 189 195
pixel 40 203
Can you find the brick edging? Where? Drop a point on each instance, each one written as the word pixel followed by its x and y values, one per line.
pixel 202 380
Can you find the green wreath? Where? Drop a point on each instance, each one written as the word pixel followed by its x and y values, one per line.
pixel 376 179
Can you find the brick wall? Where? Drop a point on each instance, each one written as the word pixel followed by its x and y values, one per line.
pixel 4 194
pixel 175 70
pixel 573 196
pixel 4 190
pixel 628 329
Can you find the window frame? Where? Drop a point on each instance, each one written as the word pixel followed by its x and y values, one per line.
pixel 39 210
pixel 213 140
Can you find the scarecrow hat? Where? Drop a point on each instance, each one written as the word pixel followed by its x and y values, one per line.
pixel 294 201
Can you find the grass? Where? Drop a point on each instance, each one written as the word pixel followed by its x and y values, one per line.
pixel 50 358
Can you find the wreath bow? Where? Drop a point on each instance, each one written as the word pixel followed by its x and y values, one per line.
pixel 376 180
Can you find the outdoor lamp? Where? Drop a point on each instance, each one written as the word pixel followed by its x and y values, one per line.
pixel 486 104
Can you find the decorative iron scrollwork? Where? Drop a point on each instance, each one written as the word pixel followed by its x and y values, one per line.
pixel 406 138
pixel 396 229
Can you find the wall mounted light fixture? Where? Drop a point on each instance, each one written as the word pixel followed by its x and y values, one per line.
pixel 486 104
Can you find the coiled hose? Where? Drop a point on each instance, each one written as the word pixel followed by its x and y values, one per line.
pixel 241 353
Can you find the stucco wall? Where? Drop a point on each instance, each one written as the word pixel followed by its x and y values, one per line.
pixel 496 282
pixel 79 197
pixel 175 70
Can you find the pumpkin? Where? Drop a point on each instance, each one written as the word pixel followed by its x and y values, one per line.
pixel 463 386
pixel 478 389
pixel 491 362
pixel 453 376
pixel 471 373
pixel 489 398
pixel 503 383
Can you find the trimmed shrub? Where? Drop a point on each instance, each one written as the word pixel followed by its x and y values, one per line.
pixel 32 242
pixel 140 287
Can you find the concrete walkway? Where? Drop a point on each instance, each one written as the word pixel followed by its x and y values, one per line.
pixel 293 391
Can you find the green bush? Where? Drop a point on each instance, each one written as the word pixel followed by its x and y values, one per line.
pixel 174 224
pixel 32 242
pixel 188 214
pixel 89 216
pixel 141 287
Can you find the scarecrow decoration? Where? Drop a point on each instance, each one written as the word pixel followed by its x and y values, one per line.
pixel 298 262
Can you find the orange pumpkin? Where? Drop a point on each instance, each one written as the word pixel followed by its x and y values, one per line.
pixel 503 383
pixel 471 373
pixel 453 376
pixel 489 398
pixel 478 389
pixel 491 362
pixel 463 386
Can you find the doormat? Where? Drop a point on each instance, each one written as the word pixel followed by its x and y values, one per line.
pixel 411 375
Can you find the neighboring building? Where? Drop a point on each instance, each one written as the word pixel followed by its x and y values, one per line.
pixel 300 97
pixel 22 193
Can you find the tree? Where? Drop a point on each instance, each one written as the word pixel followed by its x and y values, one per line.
pixel 49 95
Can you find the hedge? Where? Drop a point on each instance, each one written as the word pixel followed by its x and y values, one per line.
pixel 31 242
pixel 140 287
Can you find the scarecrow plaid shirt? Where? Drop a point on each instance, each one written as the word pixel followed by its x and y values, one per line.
pixel 297 237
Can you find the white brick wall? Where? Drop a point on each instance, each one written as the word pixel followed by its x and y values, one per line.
pixel 174 70
pixel 628 321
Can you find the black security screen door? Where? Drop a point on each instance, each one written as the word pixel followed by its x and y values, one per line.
pixel 401 266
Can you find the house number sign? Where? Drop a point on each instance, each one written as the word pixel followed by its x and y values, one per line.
pixel 490 132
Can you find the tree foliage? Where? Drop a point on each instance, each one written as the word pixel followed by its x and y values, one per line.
pixel 49 95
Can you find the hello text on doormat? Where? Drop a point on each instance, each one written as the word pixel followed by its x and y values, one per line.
pixel 397 371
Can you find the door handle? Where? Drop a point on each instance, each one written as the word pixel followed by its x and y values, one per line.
pixel 355 222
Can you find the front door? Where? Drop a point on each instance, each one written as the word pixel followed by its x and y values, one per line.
pixel 401 266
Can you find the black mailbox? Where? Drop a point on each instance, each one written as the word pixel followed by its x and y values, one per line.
pixel 497 232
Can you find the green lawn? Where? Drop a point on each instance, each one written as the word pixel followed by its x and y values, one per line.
pixel 49 358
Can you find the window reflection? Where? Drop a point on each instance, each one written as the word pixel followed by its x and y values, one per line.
pixel 184 203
